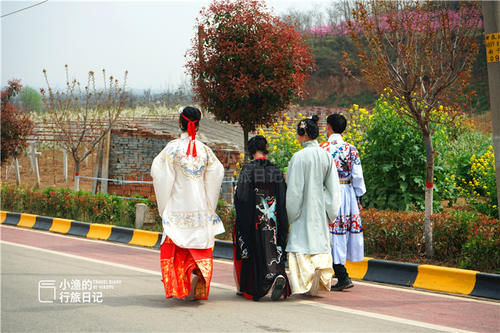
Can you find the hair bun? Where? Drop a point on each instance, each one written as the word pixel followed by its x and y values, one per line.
pixel 315 118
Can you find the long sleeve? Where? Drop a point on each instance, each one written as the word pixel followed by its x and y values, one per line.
pixel 213 179
pixel 295 190
pixel 358 182
pixel 332 192
pixel 282 213
pixel 163 173
pixel 243 212
pixel 245 185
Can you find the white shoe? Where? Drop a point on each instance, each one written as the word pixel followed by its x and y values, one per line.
pixel 315 283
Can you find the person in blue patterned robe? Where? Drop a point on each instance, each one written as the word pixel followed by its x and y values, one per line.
pixel 347 230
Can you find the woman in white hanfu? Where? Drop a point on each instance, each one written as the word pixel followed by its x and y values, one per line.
pixel 347 231
pixel 312 200
pixel 187 178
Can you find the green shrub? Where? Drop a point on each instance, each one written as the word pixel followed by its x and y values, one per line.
pixel 64 203
pixel 463 239
pixel 227 214
pixel 479 184
pixel 482 249
pixel 100 208
pixel 394 163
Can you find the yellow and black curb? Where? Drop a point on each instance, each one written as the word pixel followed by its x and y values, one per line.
pixel 82 229
pixel 430 277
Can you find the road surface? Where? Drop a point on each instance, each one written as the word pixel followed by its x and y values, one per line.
pixel 55 283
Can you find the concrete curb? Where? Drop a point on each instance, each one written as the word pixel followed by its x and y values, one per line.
pixel 437 278
pixel 83 229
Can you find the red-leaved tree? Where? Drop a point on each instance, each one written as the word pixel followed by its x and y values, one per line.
pixel 16 125
pixel 247 64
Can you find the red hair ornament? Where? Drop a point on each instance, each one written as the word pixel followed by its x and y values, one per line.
pixel 191 128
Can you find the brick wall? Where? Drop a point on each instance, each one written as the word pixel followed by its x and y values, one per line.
pixel 132 151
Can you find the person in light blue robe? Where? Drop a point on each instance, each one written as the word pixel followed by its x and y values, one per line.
pixel 312 203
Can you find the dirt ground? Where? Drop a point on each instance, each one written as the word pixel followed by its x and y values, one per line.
pixel 482 122
pixel 51 171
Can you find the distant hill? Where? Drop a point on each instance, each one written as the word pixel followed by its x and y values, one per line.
pixel 328 86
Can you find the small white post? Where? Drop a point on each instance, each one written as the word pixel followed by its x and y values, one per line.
pixel 140 215
pixel 77 183
pixel 37 169
pixel 7 174
pixel 97 169
pixel 31 150
pixel 105 163
pixel 18 174
pixel 33 155
pixel 65 165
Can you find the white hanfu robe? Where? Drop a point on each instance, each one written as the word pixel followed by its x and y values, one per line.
pixel 187 190
pixel 347 231
pixel 312 200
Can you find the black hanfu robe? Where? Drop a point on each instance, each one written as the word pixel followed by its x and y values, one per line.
pixel 261 229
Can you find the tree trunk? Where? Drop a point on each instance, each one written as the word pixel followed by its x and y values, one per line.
pixel 77 173
pixel 429 184
pixel 245 145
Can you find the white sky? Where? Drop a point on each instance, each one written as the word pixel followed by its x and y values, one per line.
pixel 149 39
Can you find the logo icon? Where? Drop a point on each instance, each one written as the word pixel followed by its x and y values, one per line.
pixel 46 291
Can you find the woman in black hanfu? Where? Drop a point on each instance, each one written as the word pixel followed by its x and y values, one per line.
pixel 261 229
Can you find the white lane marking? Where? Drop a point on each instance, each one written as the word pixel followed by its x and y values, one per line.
pixel 463 298
pixel 39 249
pixel 84 239
pixel 383 317
pixel 228 287
pixel 137 247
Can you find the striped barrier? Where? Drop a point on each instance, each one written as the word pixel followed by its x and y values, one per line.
pixel 82 229
pixel 430 277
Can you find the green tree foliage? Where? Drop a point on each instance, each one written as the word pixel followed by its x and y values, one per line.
pixel 31 99
pixel 394 163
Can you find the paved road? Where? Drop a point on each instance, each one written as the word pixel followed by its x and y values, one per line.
pixel 101 286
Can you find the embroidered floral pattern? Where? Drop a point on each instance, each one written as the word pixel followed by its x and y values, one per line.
pixel 191 220
pixel 346 223
pixel 192 167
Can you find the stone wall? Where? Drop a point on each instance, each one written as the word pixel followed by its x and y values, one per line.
pixel 132 151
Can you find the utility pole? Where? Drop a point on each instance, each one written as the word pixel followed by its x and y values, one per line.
pixel 491 14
